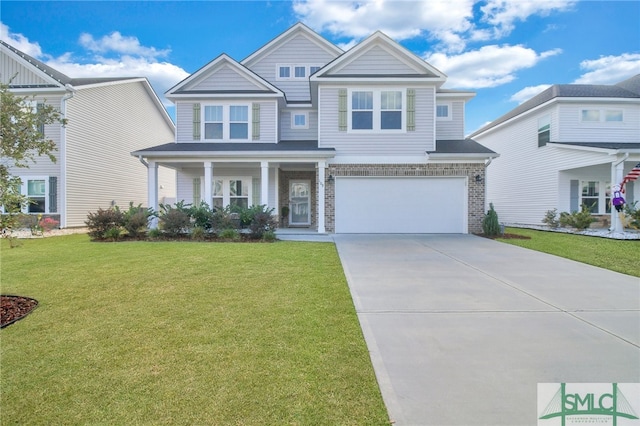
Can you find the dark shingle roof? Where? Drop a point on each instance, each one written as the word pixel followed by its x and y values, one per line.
pixel 461 146
pixel 219 147
pixel 604 145
pixel 629 89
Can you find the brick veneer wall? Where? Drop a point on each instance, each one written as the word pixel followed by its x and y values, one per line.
pixel 471 170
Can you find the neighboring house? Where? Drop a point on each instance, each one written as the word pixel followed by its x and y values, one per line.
pixel 107 119
pixel 356 141
pixel 564 148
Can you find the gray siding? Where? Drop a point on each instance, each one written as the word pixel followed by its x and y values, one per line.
pixel 452 129
pixel 376 61
pixel 268 122
pixel 411 143
pixel 300 50
pixel 287 133
pixel 106 124
pixel 224 78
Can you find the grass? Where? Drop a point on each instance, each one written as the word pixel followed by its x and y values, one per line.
pixel 616 255
pixel 183 333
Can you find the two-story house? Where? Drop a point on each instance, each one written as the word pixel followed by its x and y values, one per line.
pixel 564 148
pixel 107 119
pixel 358 141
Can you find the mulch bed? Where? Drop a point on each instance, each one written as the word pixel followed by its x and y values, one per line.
pixel 14 308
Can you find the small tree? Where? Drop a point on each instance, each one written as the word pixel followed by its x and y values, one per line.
pixel 490 224
pixel 21 140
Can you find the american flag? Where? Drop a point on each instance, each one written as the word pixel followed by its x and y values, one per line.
pixel 632 175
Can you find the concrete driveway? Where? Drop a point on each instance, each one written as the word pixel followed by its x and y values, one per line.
pixel 461 329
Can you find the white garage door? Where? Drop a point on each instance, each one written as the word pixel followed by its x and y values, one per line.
pixel 402 205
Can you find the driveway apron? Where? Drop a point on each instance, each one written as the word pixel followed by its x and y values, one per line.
pixel 461 329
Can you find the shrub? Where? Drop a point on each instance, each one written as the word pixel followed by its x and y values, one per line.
pixel 229 234
pixel 490 224
pixel 551 219
pixel 632 213
pixel 223 218
pixel 136 220
pixel 579 220
pixel 154 233
pixel 198 233
pixel 102 221
pixel 263 221
pixel 202 215
pixel 269 236
pixel 112 234
pixel 175 222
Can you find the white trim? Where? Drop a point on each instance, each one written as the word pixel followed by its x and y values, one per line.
pixel 226 121
pixel 377 110
pixel 306 120
pixel 449 115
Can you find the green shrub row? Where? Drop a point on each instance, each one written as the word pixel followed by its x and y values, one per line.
pixel 197 222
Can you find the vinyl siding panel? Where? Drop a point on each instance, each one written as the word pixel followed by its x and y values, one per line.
pixel 526 180
pixel 268 122
pixel 287 133
pixel 224 78
pixel 300 50
pixel 106 124
pixel 411 143
pixel 10 68
pixel 375 61
pixel 452 129
pixel 574 130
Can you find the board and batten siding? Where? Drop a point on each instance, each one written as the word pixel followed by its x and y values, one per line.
pixel 12 70
pixel 573 129
pixel 452 129
pixel 409 143
pixel 268 122
pixel 289 134
pixel 376 61
pixel 300 50
pixel 107 123
pixel 526 180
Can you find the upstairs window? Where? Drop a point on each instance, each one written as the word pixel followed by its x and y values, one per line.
pixel 300 120
pixel 443 112
pixel 377 110
pixel 299 72
pixel 226 122
pixel 295 71
pixel 544 130
pixel 284 72
pixel 601 115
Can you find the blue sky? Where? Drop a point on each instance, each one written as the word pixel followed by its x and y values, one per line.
pixel 504 50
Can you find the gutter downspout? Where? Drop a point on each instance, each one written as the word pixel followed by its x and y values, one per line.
pixel 486 164
pixel 616 225
pixel 63 156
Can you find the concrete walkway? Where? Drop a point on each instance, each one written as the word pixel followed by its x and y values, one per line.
pixel 461 329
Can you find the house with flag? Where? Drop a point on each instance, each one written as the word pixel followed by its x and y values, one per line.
pixel 566 147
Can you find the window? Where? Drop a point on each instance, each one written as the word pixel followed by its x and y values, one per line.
pixel 226 122
pixel 37 193
pixel 596 196
pixel 377 110
pixel 442 112
pixel 232 191
pixel 544 130
pixel 300 72
pixel 604 115
pixel 299 120
pixel 313 69
pixel 285 72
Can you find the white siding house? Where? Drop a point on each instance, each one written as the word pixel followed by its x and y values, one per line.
pixel 107 120
pixel 347 141
pixel 564 148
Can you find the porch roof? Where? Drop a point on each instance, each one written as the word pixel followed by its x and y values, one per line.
pixel 301 149
pixel 618 147
pixel 459 149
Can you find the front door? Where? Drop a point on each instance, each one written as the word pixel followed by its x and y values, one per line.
pixel 299 202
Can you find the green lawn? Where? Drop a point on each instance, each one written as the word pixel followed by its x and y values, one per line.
pixel 183 333
pixel 617 255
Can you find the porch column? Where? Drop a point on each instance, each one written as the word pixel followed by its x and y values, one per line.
pixel 264 183
pixel 321 194
pixel 617 169
pixel 152 191
pixel 208 183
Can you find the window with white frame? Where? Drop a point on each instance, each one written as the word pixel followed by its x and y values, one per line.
pixel 226 122
pixel 544 130
pixel 596 196
pixel 377 110
pixel 299 120
pixel 295 71
pixel 232 191
pixel 443 111
pixel 594 115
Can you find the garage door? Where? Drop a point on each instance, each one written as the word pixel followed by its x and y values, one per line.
pixel 402 205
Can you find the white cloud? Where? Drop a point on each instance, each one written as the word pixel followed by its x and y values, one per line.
pixel 488 66
pixel 609 69
pixel 528 93
pixel 451 24
pixel 113 55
